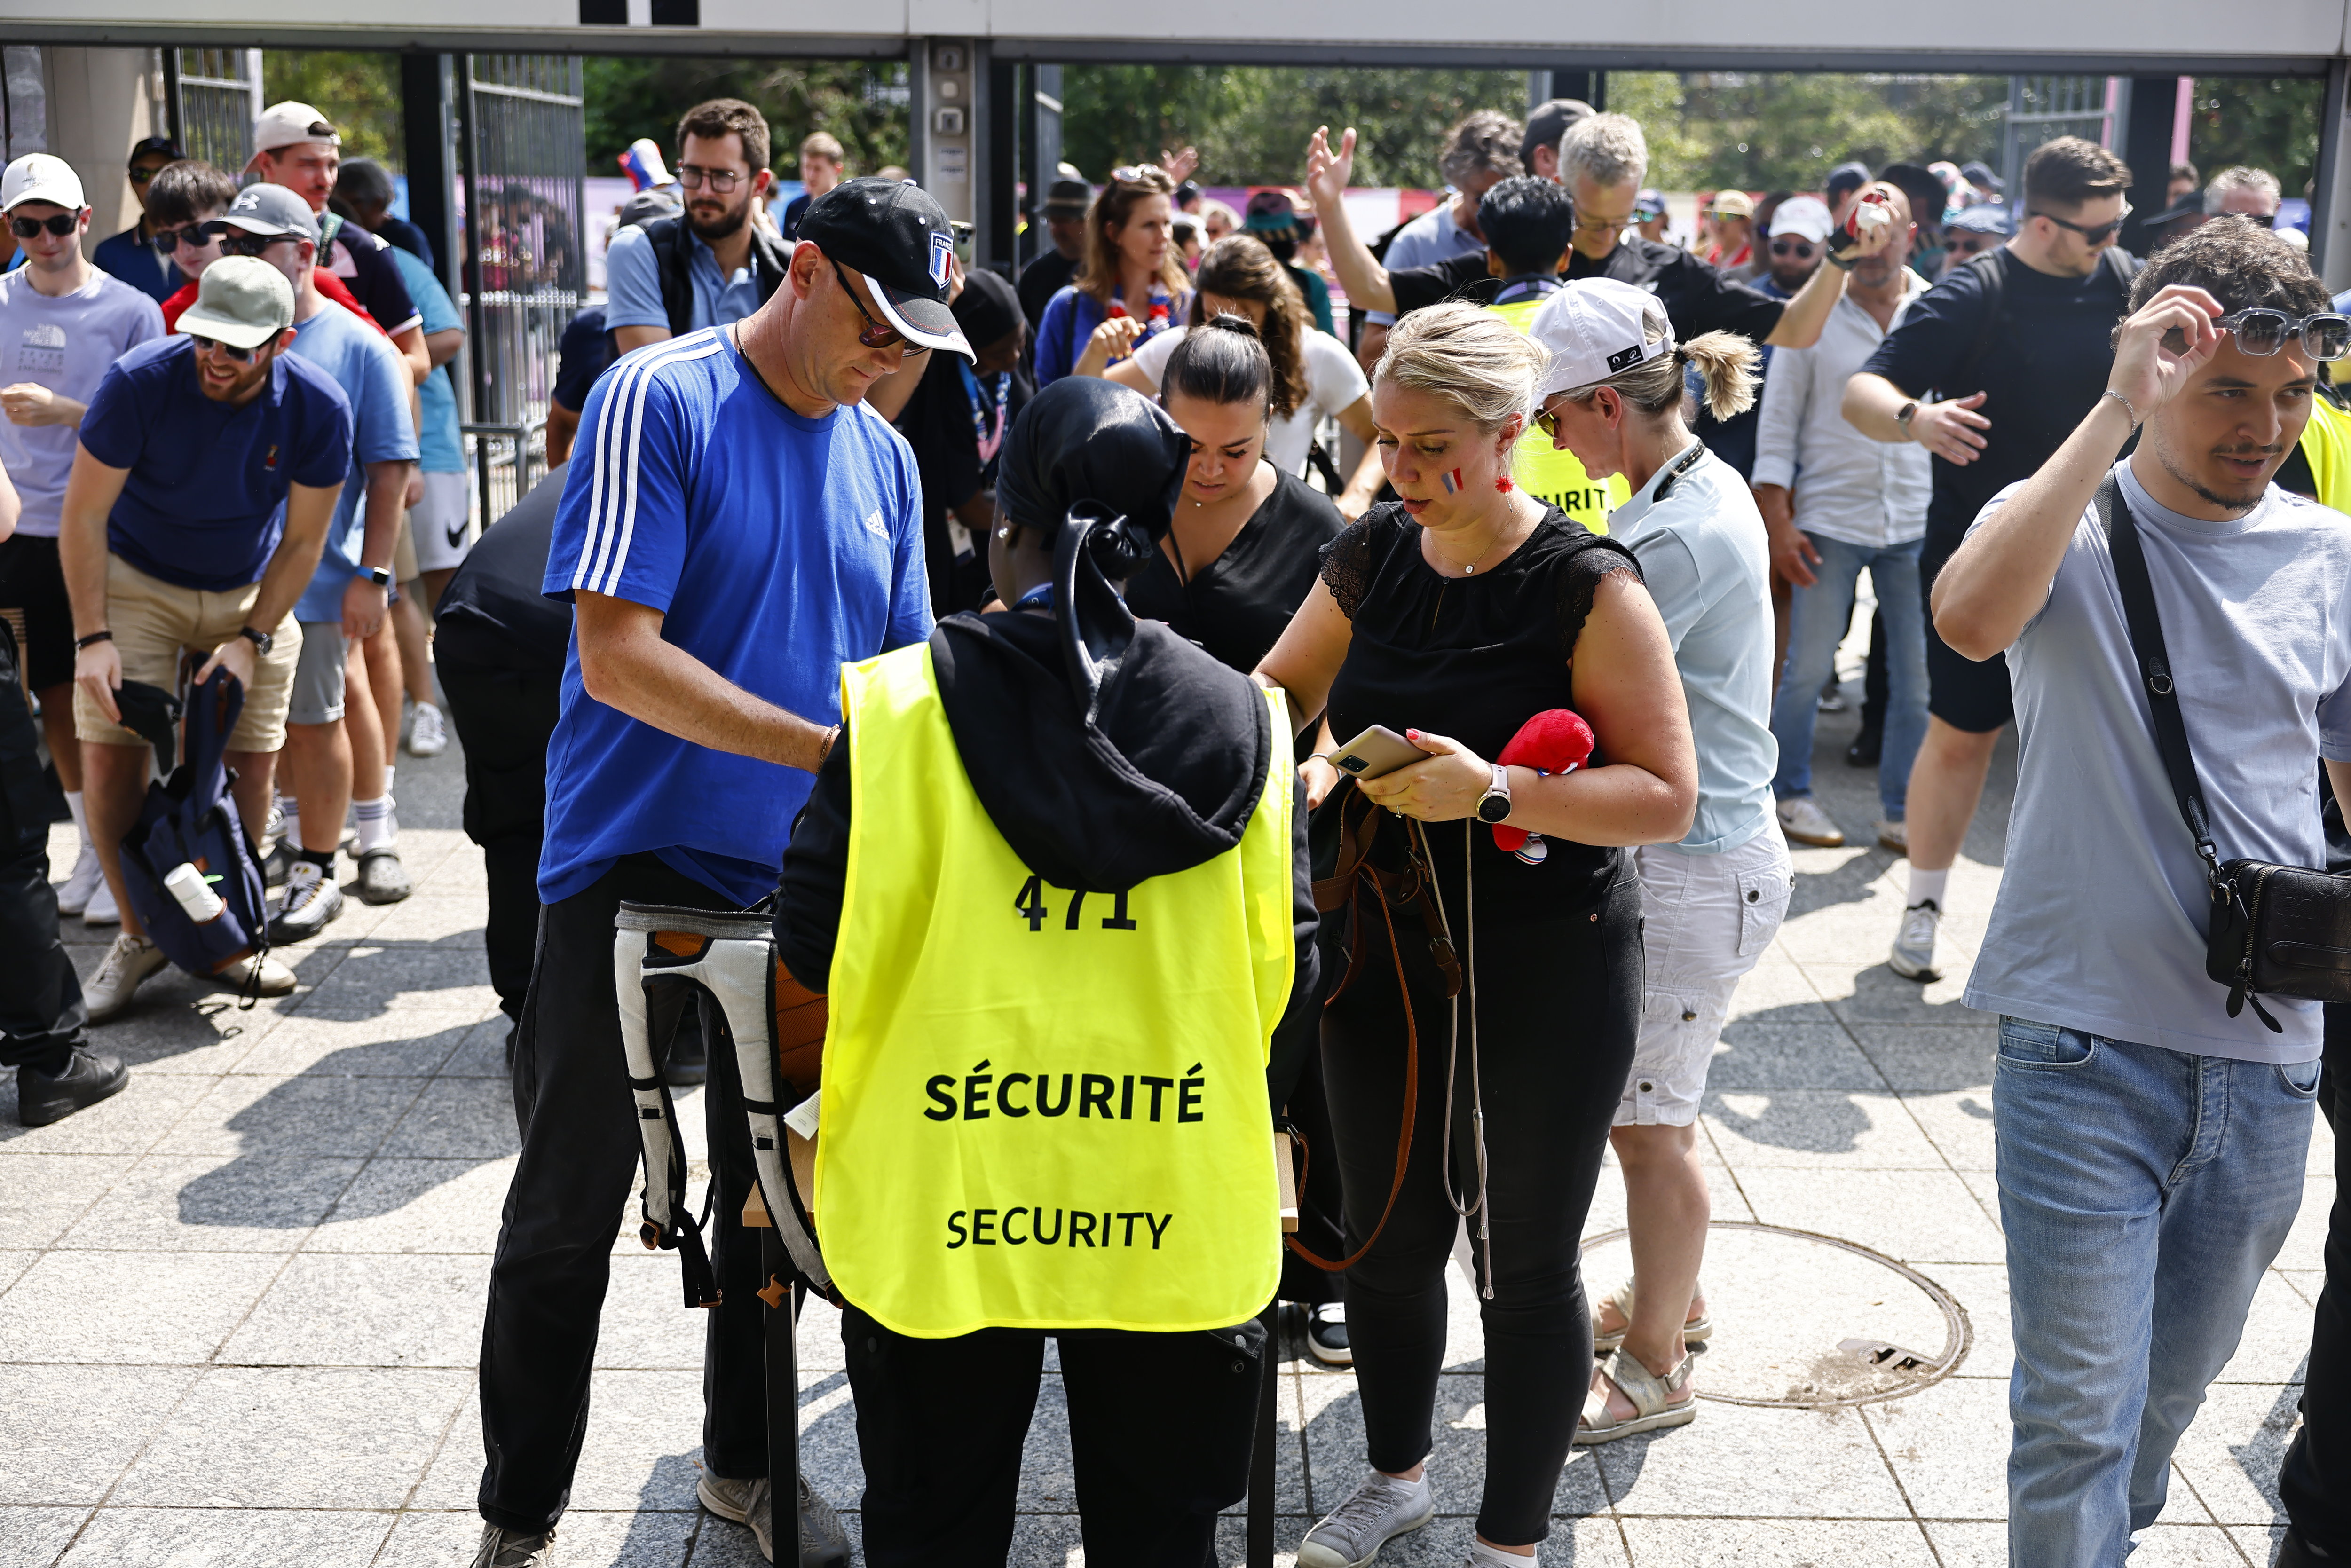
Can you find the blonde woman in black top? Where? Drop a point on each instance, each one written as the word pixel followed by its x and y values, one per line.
pixel 1453 617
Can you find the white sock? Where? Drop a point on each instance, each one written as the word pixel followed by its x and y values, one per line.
pixel 388 771
pixel 1927 884
pixel 1484 1556
pixel 291 811
pixel 374 822
pixel 73 804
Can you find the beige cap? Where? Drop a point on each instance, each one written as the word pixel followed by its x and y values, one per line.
pixel 1733 205
pixel 284 124
pixel 242 301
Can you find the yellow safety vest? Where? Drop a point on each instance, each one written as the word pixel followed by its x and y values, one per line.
pixel 2326 445
pixel 1554 474
pixel 1043 1108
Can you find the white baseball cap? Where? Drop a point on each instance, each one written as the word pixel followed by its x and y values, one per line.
pixel 284 124
pixel 1807 217
pixel 41 177
pixel 1596 328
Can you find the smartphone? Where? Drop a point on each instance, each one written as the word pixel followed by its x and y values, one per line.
pixel 1377 750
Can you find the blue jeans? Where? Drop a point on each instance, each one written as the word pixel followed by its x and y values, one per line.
pixel 1818 617
pixel 2143 1192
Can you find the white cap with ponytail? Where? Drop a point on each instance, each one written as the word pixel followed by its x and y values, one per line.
pixel 1597 327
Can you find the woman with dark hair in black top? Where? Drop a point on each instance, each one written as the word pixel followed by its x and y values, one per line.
pixel 1491 1001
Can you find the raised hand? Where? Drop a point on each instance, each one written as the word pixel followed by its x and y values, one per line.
pixel 1328 172
pixel 2168 340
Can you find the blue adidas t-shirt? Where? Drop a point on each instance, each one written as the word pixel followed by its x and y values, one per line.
pixel 375 379
pixel 777 549
pixel 205 504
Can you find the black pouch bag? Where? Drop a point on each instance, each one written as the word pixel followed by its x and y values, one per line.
pixel 2282 929
pixel 191 819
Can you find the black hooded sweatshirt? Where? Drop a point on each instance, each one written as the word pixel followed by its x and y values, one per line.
pixel 1157 785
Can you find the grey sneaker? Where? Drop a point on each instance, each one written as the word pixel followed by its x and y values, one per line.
pixel 513 1548
pixel 127 964
pixel 747 1502
pixel 1381 1509
pixel 1913 958
pixel 1801 819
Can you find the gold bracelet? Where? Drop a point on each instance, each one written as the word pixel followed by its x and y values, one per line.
pixel 824 747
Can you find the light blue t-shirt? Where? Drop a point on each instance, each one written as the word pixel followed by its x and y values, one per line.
pixel 2102 913
pixel 1705 561
pixel 441 444
pixel 63 344
pixel 777 547
pixel 633 285
pixel 371 373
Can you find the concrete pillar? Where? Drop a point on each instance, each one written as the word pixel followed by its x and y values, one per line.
pixel 2330 217
pixel 100 101
pixel 946 133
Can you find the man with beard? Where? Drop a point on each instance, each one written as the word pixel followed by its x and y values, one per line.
pixel 715 264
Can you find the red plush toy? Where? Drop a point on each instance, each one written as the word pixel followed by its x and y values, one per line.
pixel 1554 741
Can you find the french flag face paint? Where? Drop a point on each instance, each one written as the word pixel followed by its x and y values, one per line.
pixel 1452 478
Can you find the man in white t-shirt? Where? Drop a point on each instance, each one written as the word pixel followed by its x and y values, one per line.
pixel 2151 1142
pixel 1478 152
pixel 62 323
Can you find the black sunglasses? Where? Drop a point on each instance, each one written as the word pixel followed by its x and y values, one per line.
pixel 62 224
pixel 2096 234
pixel 244 242
pixel 242 356
pixel 1797 247
pixel 875 334
pixel 195 236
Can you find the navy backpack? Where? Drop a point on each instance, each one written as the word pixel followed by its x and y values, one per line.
pixel 189 818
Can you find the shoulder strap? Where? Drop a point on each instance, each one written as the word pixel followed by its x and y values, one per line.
pixel 673 259
pixel 1992 274
pixel 2153 663
pixel 771 260
pixel 2122 264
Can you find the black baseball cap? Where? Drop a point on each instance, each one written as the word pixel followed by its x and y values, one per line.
pixel 1068 199
pixel 899 237
pixel 146 145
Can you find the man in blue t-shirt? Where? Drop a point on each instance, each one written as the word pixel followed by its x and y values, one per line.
pixel 209 468
pixel 326 770
pixel 717 262
pixel 740 527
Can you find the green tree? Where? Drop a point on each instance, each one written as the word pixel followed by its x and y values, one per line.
pixel 357 89
pixel 862 103
pixel 2264 121
pixel 1785 130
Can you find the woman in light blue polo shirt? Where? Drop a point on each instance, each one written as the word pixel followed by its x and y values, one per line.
pixel 1712 903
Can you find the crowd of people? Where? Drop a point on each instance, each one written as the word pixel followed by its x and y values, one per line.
pixel 1019 650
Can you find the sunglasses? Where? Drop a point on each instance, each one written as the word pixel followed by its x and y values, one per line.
pixel 2325 335
pixel 1796 247
pixel 242 356
pixel 1134 173
pixel 2097 233
pixel 875 334
pixel 721 181
pixel 62 224
pixel 142 172
pixel 243 242
pixel 195 236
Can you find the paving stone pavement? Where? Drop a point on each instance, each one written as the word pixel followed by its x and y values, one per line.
pixel 240 1303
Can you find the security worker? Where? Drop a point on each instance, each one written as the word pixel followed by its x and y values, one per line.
pixel 1527 223
pixel 1054 878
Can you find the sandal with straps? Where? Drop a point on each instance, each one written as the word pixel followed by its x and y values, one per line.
pixel 1695 1333
pixel 1649 1395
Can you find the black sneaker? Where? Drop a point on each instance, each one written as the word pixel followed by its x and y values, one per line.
pixel 1866 748
pixel 87 1080
pixel 311 900
pixel 1326 1334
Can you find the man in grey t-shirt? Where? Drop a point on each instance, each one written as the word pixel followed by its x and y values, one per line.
pixel 2151 1146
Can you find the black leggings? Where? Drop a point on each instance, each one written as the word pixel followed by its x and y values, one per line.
pixel 1562 999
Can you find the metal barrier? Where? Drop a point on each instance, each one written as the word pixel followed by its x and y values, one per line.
pixel 507 460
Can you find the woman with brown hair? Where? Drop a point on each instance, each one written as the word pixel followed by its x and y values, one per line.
pixel 1130 273
pixel 1313 374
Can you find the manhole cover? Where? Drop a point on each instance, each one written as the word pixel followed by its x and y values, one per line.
pixel 1807 1320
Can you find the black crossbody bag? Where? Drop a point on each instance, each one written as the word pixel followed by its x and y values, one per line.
pixel 2282 929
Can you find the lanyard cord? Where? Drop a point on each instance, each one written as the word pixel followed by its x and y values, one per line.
pixel 1479 1207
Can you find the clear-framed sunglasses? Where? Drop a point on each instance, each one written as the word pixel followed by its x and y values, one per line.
pixel 2325 334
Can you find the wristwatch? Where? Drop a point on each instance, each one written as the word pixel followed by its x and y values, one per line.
pixel 262 640
pixel 1902 415
pixel 1495 803
pixel 378 575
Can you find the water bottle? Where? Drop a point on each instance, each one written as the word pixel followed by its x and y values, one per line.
pixel 195 896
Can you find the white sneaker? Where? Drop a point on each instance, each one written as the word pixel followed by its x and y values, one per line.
pixel 82 882
pixel 1801 819
pixel 276 979
pixel 1913 958
pixel 427 735
pixel 100 910
pixel 1894 836
pixel 1381 1509
pixel 126 965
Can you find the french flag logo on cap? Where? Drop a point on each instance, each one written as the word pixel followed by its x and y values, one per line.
pixel 942 255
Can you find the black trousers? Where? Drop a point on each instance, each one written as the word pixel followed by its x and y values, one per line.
pixel 2316 1480
pixel 41 1010
pixel 1562 1003
pixel 580 1154
pixel 1160 1427
pixel 504 718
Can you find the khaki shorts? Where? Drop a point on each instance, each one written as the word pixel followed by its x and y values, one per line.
pixel 158 625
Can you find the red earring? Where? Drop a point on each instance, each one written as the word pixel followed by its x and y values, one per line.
pixel 1503 483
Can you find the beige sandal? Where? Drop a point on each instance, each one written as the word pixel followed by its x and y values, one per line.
pixel 1695 1333
pixel 1650 1396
